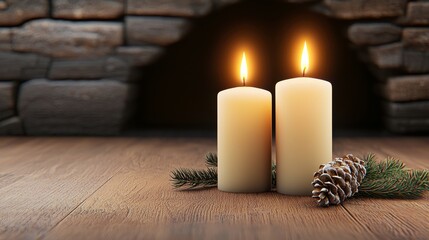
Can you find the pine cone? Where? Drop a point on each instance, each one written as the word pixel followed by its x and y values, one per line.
pixel 338 180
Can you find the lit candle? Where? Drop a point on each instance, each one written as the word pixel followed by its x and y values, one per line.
pixel 303 130
pixel 244 138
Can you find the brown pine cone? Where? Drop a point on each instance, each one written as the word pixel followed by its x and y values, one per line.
pixel 338 180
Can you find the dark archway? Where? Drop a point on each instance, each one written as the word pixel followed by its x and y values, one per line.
pixel 179 91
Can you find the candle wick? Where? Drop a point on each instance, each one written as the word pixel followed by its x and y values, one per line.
pixel 303 71
pixel 244 81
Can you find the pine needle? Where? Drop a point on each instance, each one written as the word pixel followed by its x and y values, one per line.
pixel 211 159
pixel 192 178
pixel 390 179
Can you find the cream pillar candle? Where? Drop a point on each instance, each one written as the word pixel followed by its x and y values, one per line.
pixel 303 132
pixel 244 139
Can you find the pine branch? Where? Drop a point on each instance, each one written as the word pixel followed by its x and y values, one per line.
pixel 211 159
pixel 390 179
pixel 385 179
pixel 192 178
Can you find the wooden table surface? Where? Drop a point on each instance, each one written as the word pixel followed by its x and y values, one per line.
pixel 119 188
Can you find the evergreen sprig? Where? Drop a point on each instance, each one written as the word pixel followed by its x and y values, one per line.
pixel 390 179
pixel 384 179
pixel 211 159
pixel 193 178
pixel 196 178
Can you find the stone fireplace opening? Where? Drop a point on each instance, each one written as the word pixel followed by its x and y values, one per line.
pixel 103 67
pixel 179 90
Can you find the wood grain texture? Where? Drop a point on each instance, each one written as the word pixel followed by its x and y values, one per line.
pixel 392 219
pixel 118 188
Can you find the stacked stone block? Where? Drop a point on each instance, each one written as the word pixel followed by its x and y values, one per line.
pixel 66 64
pixel 397 50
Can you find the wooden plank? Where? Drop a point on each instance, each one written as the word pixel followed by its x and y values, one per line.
pixel 118 188
pixel 7 179
pixel 6 142
pixel 49 177
pixel 412 151
pixel 140 202
pixel 393 219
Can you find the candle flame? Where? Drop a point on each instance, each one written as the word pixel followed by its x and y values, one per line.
pixel 304 59
pixel 243 70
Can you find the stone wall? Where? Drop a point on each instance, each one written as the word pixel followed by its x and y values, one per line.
pixel 397 51
pixel 65 64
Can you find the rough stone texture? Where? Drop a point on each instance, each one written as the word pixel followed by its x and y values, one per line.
pixel 418 109
pixel 11 126
pixel 6 100
pixel 416 39
pixel 73 107
pixel 406 88
pixel 354 9
pixel 374 33
pixel 84 9
pixel 407 125
pixel 416 61
pixel 387 56
pixel 15 12
pixel 108 67
pixel 65 39
pixel 76 69
pixel 155 30
pixel 116 68
pixel 5 39
pixel 416 50
pixel 185 8
pixel 417 13
pixel 17 66
pixel 139 56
